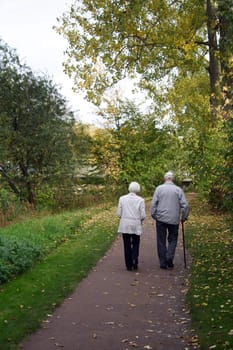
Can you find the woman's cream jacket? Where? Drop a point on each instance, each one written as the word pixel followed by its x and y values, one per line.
pixel 131 211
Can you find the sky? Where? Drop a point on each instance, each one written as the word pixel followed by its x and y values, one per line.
pixel 26 25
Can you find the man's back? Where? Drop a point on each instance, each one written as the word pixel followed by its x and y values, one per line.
pixel 167 202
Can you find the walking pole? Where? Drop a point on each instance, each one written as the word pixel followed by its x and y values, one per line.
pixel 182 224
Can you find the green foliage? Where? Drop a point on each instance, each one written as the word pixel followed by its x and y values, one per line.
pixel 209 240
pixel 185 46
pixel 225 15
pixel 10 206
pixel 26 301
pixel 80 194
pixel 7 199
pixel 226 171
pixel 83 143
pixel 109 40
pixel 132 147
pixel 22 244
pixel 16 256
pixel 36 129
pixel 46 197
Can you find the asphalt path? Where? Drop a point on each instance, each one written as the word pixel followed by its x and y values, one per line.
pixel 116 309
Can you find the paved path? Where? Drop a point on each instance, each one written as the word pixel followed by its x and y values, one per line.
pixel 115 309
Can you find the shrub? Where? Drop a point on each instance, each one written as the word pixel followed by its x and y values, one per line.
pixel 10 206
pixel 22 244
pixel 16 256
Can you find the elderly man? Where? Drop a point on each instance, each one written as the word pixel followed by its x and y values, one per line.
pixel 131 211
pixel 168 207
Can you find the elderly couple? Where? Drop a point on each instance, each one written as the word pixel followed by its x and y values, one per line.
pixel 168 207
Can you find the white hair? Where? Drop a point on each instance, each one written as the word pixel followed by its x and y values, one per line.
pixel 134 187
pixel 169 175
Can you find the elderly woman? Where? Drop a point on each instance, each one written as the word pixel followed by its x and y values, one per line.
pixel 131 211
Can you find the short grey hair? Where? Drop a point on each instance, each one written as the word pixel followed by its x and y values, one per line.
pixel 134 187
pixel 169 175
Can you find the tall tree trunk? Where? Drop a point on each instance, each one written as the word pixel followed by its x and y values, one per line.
pixel 30 196
pixel 214 66
pixel 225 13
pixel 225 9
pixel 10 183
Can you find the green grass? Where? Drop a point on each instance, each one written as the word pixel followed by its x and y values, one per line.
pixel 210 296
pixel 24 243
pixel 26 301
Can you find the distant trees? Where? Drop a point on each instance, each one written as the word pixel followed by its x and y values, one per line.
pixel 183 46
pixel 36 129
pixel 133 147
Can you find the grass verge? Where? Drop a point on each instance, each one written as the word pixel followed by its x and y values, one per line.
pixel 210 296
pixel 24 243
pixel 26 301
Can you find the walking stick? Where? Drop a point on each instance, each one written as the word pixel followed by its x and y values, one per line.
pixel 182 224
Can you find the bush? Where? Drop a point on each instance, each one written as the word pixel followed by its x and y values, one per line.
pixel 10 206
pixel 16 256
pixel 22 244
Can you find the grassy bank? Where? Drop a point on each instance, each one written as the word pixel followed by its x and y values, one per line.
pixel 72 244
pixel 28 300
pixel 210 297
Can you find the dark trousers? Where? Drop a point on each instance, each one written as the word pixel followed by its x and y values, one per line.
pixel 131 250
pixel 166 233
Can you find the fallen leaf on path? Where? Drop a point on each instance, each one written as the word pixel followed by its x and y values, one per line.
pixel 132 305
pixel 125 340
pixel 194 340
pixel 59 345
pixel 134 284
pixel 133 343
pixel 110 308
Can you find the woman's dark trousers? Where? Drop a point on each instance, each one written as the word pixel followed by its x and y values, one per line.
pixel 131 250
pixel 166 232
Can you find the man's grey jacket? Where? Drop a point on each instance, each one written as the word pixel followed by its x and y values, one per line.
pixel 169 204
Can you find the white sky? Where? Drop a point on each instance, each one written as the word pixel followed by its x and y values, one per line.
pixel 26 25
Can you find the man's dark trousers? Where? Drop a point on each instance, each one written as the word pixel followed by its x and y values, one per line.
pixel 166 232
pixel 131 250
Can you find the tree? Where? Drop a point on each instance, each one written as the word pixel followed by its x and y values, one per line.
pixel 36 129
pixel 225 15
pixel 214 64
pixel 109 40
pixel 132 146
pixel 202 139
pixel 162 41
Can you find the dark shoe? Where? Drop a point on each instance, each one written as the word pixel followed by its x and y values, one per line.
pixel 129 268
pixel 135 266
pixel 163 267
pixel 170 264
